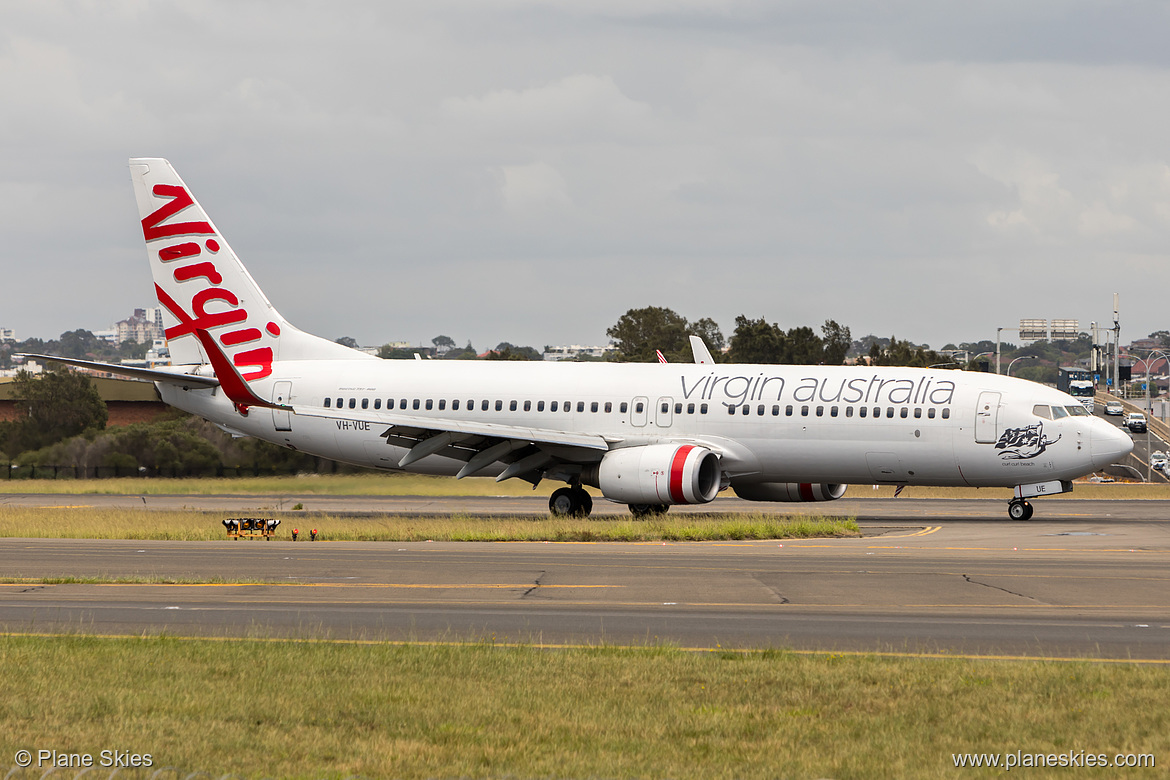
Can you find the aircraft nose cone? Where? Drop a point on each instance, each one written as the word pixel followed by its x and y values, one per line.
pixel 1108 444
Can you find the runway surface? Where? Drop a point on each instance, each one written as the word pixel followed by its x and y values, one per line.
pixel 1083 579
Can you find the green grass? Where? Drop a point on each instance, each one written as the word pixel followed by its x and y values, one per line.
pixel 303 485
pixel 307 709
pixel 422 485
pixel 194 526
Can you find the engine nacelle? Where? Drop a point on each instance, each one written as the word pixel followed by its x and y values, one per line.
pixel 788 491
pixel 660 474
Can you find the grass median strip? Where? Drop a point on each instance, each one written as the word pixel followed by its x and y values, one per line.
pixel 309 709
pixel 145 524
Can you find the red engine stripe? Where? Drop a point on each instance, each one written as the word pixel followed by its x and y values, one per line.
pixel 806 492
pixel 676 474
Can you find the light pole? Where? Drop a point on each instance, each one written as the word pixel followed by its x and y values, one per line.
pixel 1022 357
pixel 999 331
pixel 1150 410
pixel 972 360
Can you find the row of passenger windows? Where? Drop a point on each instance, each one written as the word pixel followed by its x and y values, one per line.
pixel 430 404
pixel 485 405
pixel 837 411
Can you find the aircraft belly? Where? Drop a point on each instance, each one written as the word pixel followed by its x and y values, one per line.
pixel 856 454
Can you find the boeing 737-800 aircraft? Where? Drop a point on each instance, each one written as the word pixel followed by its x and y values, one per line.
pixel 646 435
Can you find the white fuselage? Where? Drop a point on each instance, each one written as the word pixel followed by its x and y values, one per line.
pixel 770 423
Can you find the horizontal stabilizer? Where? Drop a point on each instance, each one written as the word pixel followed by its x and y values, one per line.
pixel 145 374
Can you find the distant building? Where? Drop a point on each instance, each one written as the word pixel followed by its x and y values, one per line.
pixel 7 334
pixel 144 326
pixel 573 351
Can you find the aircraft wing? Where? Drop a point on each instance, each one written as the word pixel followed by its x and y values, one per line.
pixel 147 374
pixel 526 452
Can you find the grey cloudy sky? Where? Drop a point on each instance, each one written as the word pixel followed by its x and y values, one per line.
pixel 514 170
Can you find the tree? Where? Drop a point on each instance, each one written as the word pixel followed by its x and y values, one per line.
pixel 804 347
pixel 506 351
pixel 443 343
pixel 640 333
pixel 348 341
pixel 757 341
pixel 837 340
pixel 51 407
pixel 712 336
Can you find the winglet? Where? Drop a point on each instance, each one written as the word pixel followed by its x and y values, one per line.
pixel 702 354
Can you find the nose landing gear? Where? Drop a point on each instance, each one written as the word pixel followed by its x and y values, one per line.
pixel 1019 509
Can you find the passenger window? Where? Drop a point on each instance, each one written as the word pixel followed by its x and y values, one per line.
pixel 512 406
pixel 1058 412
pixel 917 412
pixel 702 408
pixel 624 407
pixel 677 408
pixel 862 411
pixel 430 404
pixel 365 403
pixel 848 411
pixel 889 411
pixel 730 409
pixel 639 407
pixel 540 406
pixel 946 413
pixel 340 402
pixel 608 407
pixel 820 411
pixel 455 405
pixel 593 407
pixel 580 406
pixel 499 406
pixel 665 408
pixel 415 404
pixel 553 406
pixel 905 412
pixel 788 410
pixel 690 408
pixel 528 406
pixel 833 412
pixel 377 403
pixel 328 402
pixel 442 404
pixel 1040 410
pixel 760 410
pixel 930 412
pixel 747 409
pixel 877 412
pixel 804 411
pixel 402 404
pixel 483 405
pixel 352 403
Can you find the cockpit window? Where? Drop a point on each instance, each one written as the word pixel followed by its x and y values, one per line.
pixel 1077 411
pixel 1058 412
pixel 1040 410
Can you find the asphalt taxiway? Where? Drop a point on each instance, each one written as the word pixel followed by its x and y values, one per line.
pixel 1083 579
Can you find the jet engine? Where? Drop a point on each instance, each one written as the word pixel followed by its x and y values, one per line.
pixel 788 491
pixel 659 474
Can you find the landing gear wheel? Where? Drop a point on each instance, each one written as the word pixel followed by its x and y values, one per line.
pixel 642 511
pixel 1020 510
pixel 570 502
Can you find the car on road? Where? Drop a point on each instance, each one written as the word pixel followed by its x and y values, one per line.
pixel 1158 460
pixel 1115 408
pixel 1136 422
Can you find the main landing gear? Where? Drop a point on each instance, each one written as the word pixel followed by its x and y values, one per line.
pixel 642 511
pixel 570 502
pixel 1019 509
